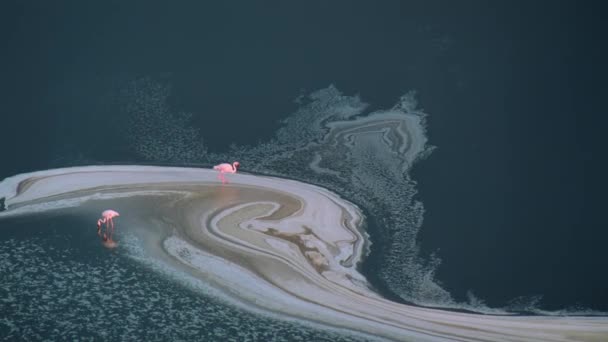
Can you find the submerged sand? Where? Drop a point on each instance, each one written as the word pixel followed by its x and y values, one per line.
pixel 272 244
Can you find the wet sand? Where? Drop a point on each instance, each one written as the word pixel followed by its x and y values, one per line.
pixel 273 244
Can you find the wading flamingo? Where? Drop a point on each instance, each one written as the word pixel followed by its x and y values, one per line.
pixel 107 219
pixel 226 168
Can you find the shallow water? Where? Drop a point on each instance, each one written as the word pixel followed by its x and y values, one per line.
pixel 59 283
pixel 293 262
pixel 505 216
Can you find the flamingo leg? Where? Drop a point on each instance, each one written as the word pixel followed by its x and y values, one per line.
pixel 111 228
pixel 100 223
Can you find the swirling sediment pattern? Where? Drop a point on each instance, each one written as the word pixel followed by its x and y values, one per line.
pixel 269 244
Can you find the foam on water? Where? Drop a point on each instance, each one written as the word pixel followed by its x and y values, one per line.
pixel 56 289
pixel 156 132
pixel 366 159
pixel 328 142
pixel 220 235
pixel 333 142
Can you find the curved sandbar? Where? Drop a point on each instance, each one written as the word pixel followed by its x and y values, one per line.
pixel 279 245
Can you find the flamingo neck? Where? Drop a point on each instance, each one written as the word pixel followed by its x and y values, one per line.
pixel 233 167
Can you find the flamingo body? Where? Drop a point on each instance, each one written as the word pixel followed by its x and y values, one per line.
pixel 107 219
pixel 225 168
pixel 108 214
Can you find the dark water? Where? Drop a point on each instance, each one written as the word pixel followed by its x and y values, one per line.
pixel 514 192
pixel 58 284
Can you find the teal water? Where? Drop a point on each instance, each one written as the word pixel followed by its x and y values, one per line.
pixel 59 283
pixel 512 197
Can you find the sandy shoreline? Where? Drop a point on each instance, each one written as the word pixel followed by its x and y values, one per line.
pixel 284 246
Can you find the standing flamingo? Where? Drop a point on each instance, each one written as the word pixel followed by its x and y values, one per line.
pixel 107 218
pixel 226 168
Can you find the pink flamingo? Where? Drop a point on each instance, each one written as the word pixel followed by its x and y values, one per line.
pixel 107 218
pixel 226 168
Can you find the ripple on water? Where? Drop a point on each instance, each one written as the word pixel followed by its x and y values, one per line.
pixel 75 292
